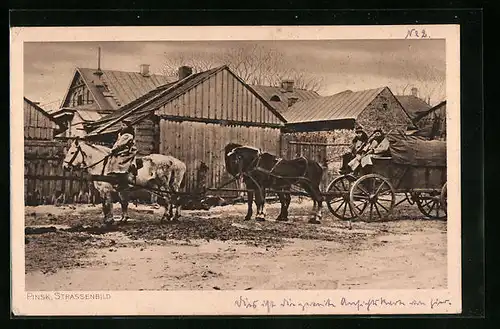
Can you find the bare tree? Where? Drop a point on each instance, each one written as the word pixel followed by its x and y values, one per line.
pixel 429 91
pixel 195 61
pixel 254 63
pixel 429 80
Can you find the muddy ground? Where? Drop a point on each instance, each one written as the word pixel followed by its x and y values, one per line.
pixel 68 249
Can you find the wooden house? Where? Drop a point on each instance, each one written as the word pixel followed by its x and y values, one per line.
pixel 94 93
pixel 194 118
pixel 38 124
pixel 42 155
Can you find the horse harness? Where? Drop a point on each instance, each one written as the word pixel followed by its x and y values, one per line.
pixel 270 172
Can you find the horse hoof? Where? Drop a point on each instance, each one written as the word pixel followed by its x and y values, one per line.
pixel 260 219
pixel 281 219
pixel 314 221
pixel 247 218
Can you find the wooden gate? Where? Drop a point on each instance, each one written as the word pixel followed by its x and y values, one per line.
pixel 315 147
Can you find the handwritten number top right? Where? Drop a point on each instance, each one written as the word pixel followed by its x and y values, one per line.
pixel 414 33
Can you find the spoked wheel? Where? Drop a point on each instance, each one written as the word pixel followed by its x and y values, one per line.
pixel 444 198
pixel 337 198
pixel 429 204
pixel 372 197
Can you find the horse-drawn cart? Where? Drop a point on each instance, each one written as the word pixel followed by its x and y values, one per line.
pixel 416 171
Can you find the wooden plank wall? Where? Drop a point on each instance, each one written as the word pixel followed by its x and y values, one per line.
pixel 221 97
pixel 36 124
pixel 44 177
pixel 194 142
pixel 326 148
pixel 290 150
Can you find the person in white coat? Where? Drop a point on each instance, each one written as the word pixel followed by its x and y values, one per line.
pixel 121 160
pixel 378 145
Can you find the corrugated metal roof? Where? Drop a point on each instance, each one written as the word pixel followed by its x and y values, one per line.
pixel 147 103
pixel 413 105
pixel 344 105
pixel 121 87
pixel 267 92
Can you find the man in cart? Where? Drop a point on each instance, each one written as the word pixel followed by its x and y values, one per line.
pixel 377 145
pixel 358 143
pixel 121 160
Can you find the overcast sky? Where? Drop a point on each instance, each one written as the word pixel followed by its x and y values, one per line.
pixel 349 64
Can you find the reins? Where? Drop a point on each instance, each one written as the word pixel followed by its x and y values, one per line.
pixel 79 149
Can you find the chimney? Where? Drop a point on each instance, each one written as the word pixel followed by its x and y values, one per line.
pixel 414 92
pixel 184 71
pixel 287 85
pixel 144 70
pixel 98 73
pixel 292 100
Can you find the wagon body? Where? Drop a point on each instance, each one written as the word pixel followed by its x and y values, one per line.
pixel 407 178
pixel 416 168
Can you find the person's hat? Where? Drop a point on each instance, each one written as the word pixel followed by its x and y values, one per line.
pixel 127 129
pixel 359 129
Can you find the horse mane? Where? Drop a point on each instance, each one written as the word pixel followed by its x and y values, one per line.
pixel 231 147
pixel 100 148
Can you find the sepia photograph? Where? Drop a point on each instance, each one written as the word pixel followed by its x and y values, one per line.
pixel 297 174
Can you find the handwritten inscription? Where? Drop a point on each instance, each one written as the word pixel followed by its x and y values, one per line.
pixel 369 304
pixel 417 34
pixel 437 302
pixel 269 305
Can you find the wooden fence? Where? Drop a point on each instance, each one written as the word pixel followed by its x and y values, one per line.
pixel 45 181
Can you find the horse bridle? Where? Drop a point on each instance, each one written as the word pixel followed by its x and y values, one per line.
pixel 80 150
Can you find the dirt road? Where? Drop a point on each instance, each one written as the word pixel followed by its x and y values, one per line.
pixel 218 250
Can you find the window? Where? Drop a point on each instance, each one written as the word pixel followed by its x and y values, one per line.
pixel 384 106
pixel 276 98
pixel 80 100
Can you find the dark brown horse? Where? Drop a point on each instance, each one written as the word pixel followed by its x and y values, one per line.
pixel 261 171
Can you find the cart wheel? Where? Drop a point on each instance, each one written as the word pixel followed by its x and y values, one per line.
pixel 430 205
pixel 372 197
pixel 337 198
pixel 444 198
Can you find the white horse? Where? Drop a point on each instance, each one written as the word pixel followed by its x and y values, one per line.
pixel 160 172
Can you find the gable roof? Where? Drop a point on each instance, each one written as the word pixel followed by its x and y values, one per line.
pixel 344 105
pixel 267 92
pixel 143 106
pixel 413 105
pixel 120 86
